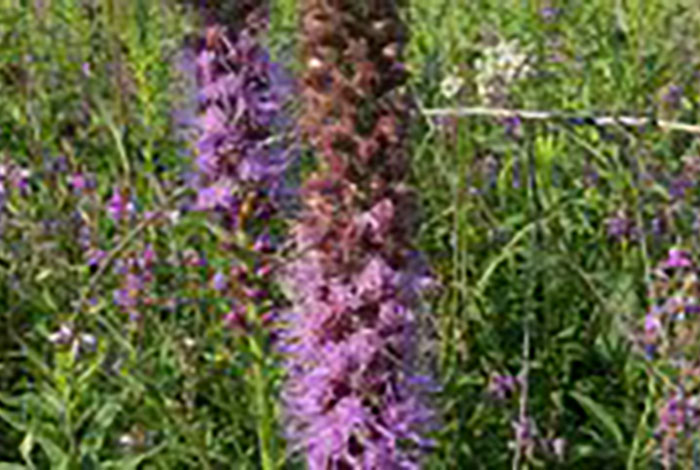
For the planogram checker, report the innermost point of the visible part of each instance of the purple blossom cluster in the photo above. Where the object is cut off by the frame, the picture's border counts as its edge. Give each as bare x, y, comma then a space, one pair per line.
503, 386
136, 273
669, 339
353, 398
78, 343
240, 156
669, 205
120, 206
12, 178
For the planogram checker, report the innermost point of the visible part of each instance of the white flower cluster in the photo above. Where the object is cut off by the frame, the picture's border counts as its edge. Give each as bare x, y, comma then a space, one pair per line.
451, 85
499, 67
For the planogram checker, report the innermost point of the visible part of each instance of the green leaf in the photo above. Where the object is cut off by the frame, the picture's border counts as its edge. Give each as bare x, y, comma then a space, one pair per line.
103, 420
107, 414
90, 462
12, 420
59, 459
43, 274
132, 462
11, 466
601, 414
26, 447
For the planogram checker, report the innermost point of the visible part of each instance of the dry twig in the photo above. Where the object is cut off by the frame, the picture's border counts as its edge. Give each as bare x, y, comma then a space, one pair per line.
538, 115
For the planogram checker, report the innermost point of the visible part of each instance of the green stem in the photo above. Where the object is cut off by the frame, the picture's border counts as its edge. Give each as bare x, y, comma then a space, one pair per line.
264, 422
641, 425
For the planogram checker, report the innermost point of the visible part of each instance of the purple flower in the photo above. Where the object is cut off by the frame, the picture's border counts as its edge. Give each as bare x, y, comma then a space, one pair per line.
219, 281
678, 259
62, 336
216, 196
673, 95
619, 226
692, 308
652, 324
240, 96
649, 351
513, 126
128, 295
20, 180
95, 256
78, 182
236, 318
502, 386
679, 186
119, 206
549, 13
148, 257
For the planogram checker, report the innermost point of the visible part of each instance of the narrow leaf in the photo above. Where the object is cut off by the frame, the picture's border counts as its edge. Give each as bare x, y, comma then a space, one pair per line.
601, 414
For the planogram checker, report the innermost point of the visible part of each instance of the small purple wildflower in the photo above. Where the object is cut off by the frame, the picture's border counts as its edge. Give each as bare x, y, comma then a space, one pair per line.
678, 259
128, 295
673, 95
119, 206
235, 319
95, 257
525, 433
219, 281
77, 181
619, 226
679, 186
20, 180
513, 126
502, 386
549, 13
62, 336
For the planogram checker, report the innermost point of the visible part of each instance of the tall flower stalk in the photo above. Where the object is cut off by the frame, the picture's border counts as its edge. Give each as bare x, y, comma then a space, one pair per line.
239, 181
354, 398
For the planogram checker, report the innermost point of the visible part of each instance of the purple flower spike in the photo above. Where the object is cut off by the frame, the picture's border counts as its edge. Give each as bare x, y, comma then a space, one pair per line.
669, 340
356, 395
241, 106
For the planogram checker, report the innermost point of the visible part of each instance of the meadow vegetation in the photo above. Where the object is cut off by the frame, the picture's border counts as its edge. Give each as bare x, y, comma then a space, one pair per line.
564, 251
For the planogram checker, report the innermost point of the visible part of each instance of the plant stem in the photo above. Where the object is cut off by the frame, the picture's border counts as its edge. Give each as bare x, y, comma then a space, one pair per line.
264, 422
